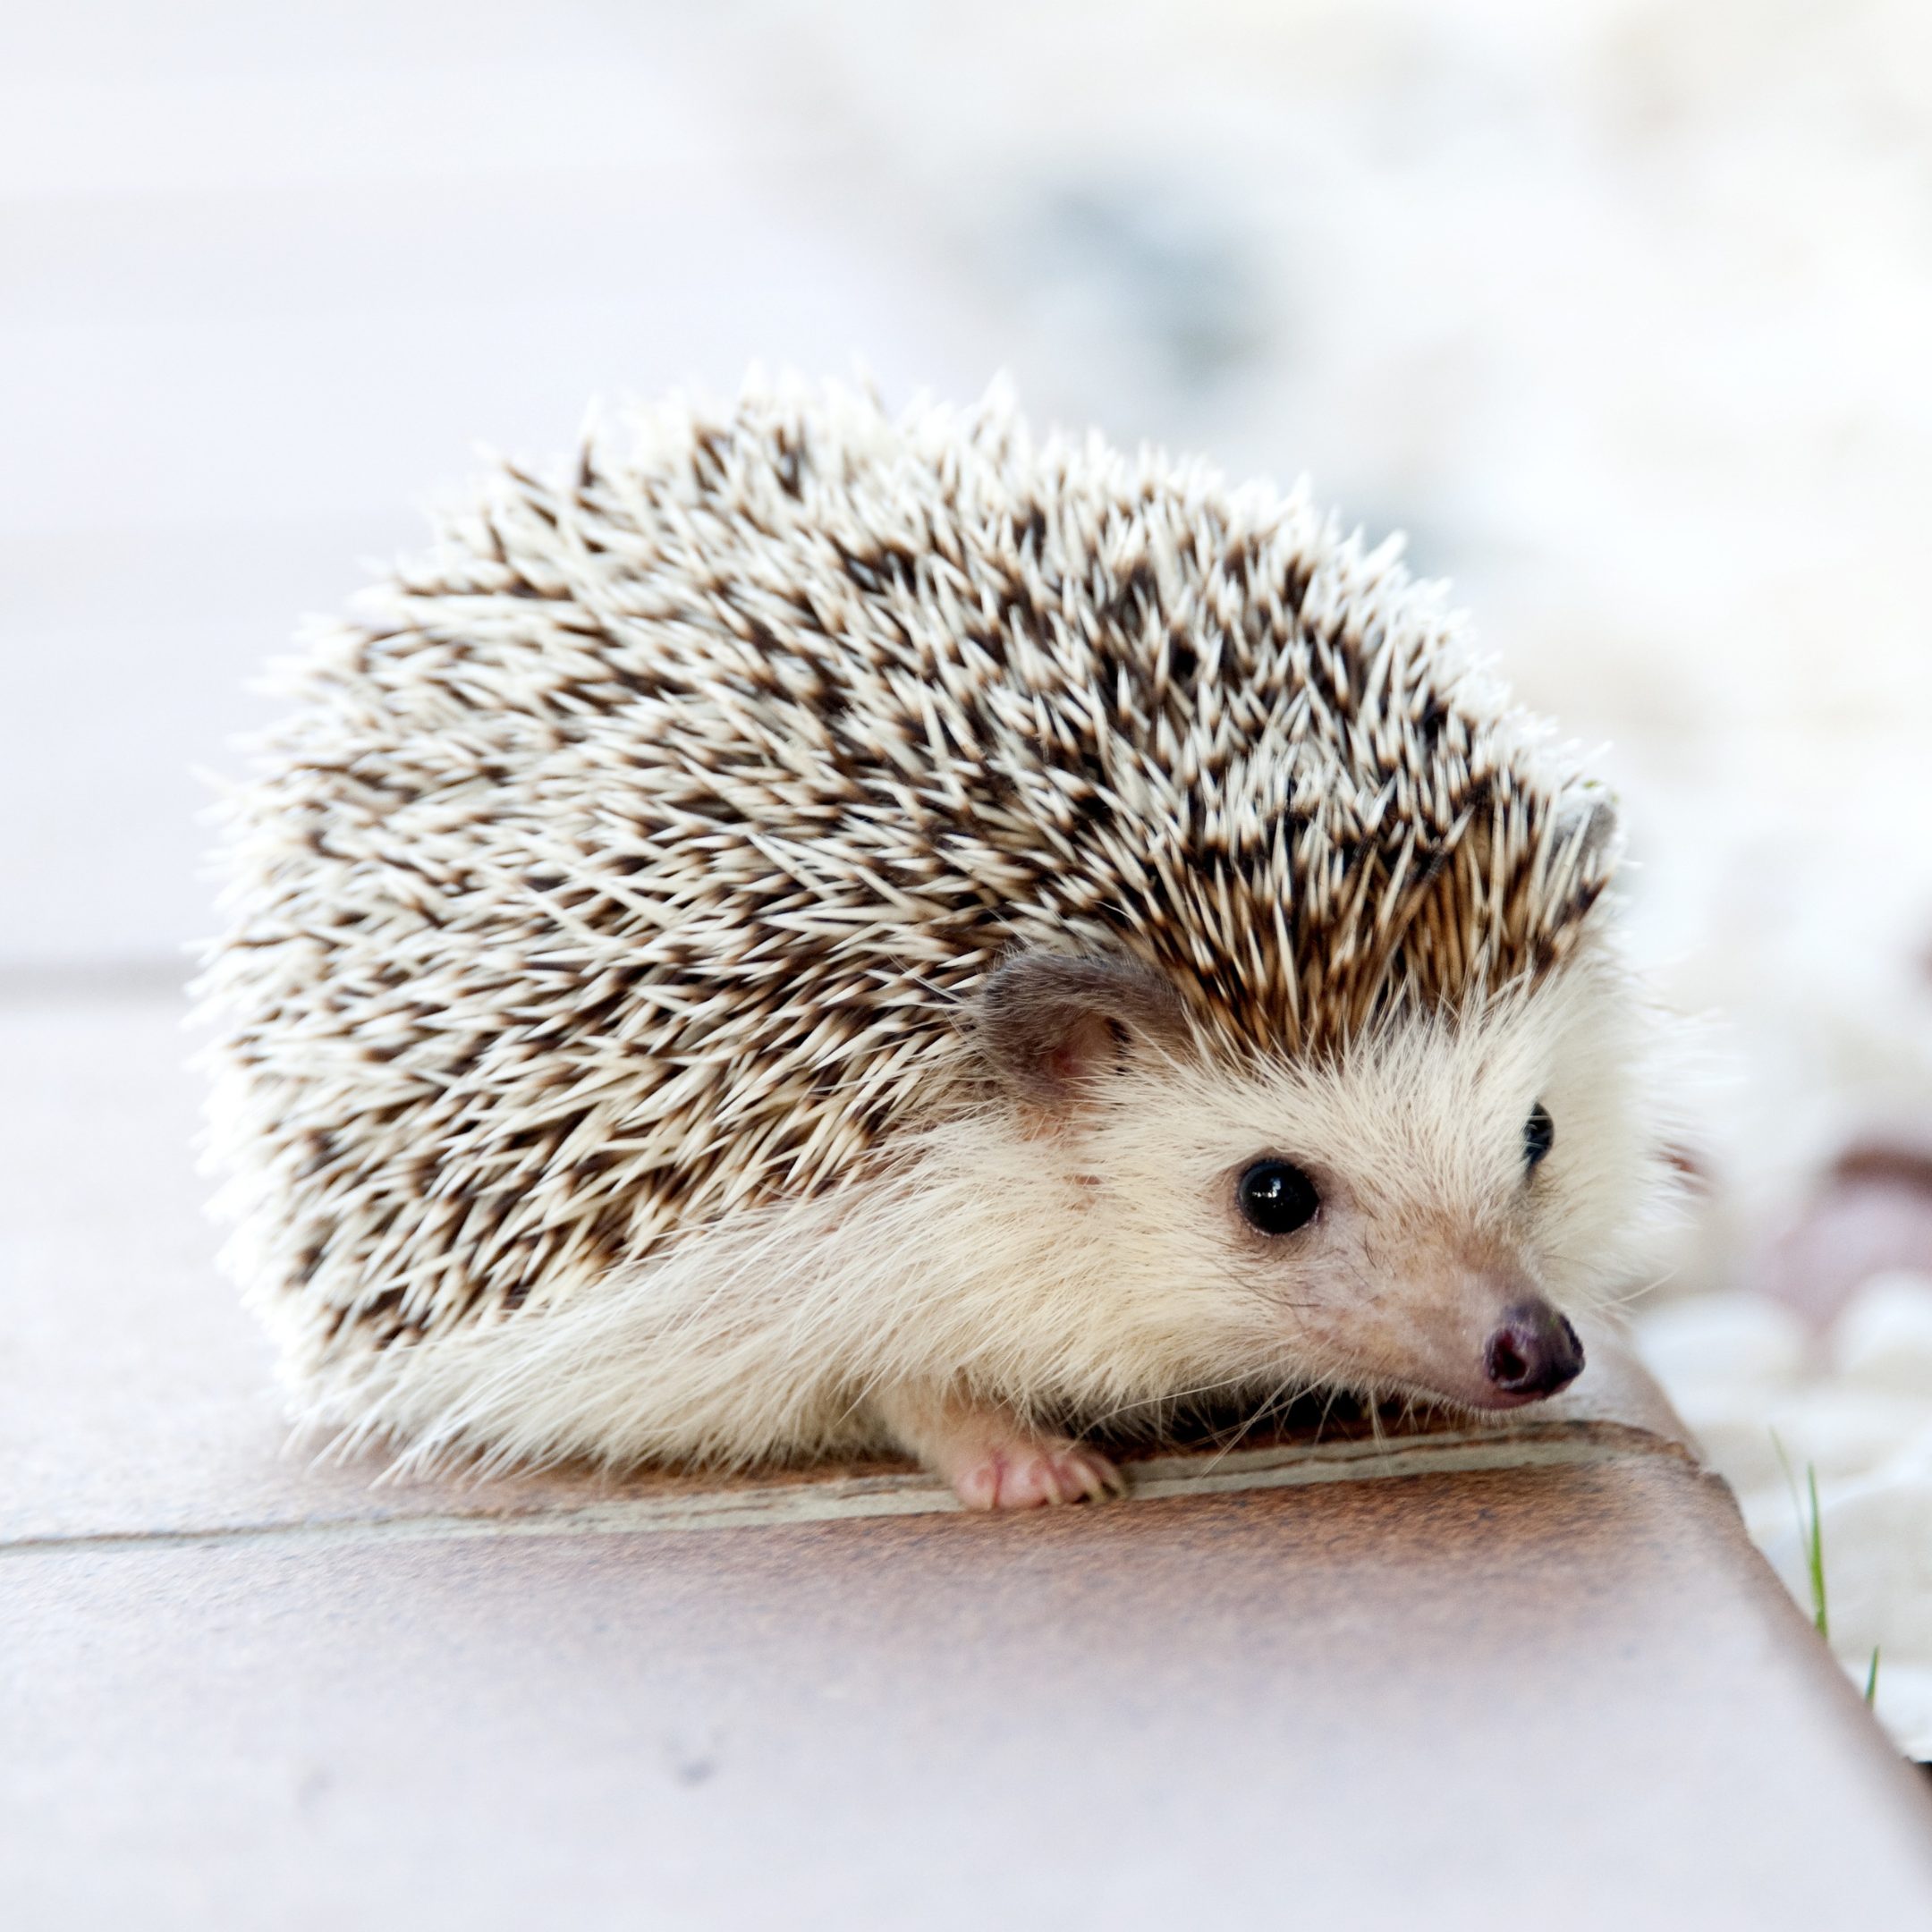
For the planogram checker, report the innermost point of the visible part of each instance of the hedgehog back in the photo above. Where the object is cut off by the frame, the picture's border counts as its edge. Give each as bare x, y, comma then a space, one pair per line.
635, 856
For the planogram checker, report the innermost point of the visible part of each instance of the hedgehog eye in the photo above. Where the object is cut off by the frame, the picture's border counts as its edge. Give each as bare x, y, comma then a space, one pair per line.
1276, 1197
1538, 1135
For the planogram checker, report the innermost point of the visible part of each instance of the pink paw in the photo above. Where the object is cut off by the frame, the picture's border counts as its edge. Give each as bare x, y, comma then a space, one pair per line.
1023, 1475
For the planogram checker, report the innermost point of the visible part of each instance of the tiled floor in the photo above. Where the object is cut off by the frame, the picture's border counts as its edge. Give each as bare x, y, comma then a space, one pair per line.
1504, 1693
1541, 1673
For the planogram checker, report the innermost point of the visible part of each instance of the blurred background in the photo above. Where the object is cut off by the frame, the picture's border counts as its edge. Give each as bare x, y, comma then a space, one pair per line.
1620, 309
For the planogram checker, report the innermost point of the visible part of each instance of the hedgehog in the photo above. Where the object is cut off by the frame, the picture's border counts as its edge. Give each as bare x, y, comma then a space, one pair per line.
805, 931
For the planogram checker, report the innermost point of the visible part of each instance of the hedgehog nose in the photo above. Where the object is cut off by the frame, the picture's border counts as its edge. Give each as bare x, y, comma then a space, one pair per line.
1535, 1351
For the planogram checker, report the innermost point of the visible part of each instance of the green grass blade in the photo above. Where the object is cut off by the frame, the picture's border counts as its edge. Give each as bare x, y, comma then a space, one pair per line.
1811, 1533
1815, 1557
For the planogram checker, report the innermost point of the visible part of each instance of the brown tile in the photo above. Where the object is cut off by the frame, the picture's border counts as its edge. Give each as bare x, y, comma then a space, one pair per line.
1565, 1695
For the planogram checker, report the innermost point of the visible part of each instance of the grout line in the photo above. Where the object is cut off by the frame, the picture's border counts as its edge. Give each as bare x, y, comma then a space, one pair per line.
913, 1494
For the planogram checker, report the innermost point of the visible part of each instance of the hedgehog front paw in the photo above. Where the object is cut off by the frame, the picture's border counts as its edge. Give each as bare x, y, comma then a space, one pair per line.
1024, 1473
991, 1458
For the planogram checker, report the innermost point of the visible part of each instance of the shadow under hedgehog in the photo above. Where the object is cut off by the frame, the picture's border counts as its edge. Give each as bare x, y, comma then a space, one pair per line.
806, 932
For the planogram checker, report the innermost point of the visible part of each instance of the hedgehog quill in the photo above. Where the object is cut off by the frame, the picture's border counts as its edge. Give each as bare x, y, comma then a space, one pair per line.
807, 931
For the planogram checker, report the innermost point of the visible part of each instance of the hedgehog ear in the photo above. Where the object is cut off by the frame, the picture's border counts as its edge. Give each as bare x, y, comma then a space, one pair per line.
1050, 1024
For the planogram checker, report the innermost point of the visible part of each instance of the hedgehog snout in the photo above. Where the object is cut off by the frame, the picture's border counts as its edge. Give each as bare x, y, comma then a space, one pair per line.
1533, 1351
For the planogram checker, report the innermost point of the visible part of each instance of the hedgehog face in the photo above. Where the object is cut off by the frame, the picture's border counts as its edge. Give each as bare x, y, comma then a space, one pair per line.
1411, 1215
